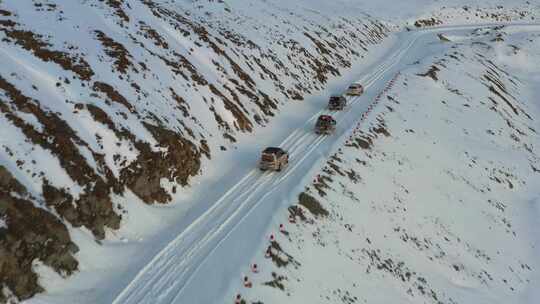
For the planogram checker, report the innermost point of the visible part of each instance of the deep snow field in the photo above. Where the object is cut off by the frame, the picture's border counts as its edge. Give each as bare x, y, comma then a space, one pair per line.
130, 133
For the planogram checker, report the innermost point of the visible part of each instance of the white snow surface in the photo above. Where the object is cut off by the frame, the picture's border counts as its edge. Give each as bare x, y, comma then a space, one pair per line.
421, 200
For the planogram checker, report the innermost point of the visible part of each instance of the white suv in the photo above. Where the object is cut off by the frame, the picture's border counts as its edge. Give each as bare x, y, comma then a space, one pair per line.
355, 89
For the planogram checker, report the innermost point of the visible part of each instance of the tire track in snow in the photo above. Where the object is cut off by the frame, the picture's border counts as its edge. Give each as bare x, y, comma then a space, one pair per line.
296, 137
318, 140
166, 276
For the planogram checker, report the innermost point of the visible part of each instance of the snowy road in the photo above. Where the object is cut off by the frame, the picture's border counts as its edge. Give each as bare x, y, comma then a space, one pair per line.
192, 267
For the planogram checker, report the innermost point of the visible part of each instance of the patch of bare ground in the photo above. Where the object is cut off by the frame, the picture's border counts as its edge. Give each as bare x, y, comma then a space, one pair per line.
31, 234
101, 116
381, 128
431, 73
416, 284
35, 43
117, 52
427, 22
151, 33
262, 100
311, 204
362, 141
321, 47
181, 103
276, 282
353, 176
116, 5
279, 257
296, 212
333, 168
242, 122
497, 87
178, 163
322, 183
182, 63
112, 94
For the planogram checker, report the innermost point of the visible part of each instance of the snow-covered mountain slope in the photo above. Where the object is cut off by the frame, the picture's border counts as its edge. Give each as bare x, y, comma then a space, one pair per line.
434, 196
103, 100
109, 107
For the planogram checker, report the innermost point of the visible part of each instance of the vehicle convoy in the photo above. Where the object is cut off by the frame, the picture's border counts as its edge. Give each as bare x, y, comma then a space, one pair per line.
355, 89
273, 158
325, 125
337, 103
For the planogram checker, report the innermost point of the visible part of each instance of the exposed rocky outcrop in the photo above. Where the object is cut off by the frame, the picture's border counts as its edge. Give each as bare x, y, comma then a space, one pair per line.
180, 161
32, 233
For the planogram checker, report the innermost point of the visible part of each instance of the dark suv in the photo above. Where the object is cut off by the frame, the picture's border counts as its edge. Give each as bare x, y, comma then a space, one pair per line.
337, 103
273, 158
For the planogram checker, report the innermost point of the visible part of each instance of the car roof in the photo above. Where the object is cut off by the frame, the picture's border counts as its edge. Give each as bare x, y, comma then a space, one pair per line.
272, 150
325, 117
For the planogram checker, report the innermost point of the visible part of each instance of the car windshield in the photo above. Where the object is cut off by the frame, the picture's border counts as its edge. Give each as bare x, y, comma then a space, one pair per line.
267, 157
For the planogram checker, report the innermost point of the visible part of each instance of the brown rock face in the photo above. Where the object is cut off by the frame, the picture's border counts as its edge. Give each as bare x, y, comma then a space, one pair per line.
93, 209
37, 234
180, 161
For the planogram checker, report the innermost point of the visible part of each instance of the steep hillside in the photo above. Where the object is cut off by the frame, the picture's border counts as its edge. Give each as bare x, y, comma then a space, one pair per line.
434, 196
103, 97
